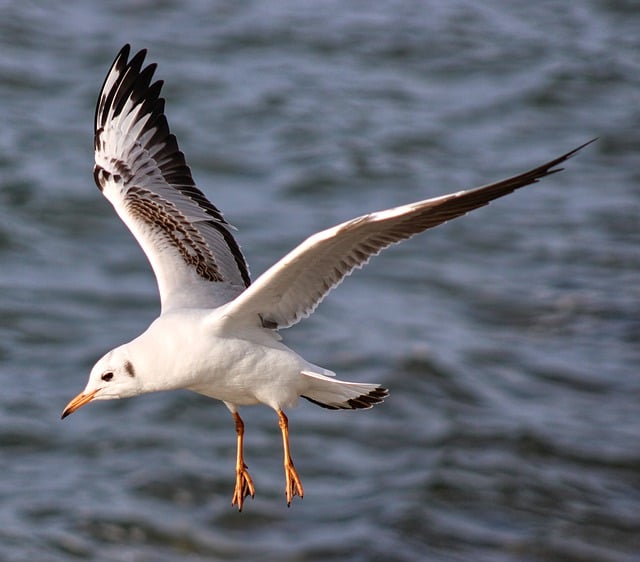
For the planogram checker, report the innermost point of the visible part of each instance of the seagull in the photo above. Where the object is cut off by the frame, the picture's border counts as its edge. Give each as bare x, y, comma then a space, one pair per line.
218, 333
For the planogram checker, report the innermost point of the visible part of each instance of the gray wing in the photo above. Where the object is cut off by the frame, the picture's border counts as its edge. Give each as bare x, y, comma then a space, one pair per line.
142, 172
292, 288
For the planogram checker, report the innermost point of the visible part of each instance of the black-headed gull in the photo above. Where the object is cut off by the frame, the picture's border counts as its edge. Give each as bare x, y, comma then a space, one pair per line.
217, 333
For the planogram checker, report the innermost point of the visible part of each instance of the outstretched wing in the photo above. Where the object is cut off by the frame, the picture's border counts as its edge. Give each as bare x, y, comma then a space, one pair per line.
292, 288
142, 172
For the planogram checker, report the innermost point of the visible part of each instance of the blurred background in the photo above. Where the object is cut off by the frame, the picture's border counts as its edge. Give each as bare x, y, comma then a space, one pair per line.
510, 338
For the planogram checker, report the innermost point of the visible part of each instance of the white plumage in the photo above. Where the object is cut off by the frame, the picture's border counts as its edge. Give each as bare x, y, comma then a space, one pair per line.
217, 332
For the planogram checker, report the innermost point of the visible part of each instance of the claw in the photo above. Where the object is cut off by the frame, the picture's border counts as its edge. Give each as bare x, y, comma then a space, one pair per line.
293, 483
244, 486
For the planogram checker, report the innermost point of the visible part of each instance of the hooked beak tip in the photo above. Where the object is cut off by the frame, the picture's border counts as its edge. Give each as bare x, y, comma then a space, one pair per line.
78, 402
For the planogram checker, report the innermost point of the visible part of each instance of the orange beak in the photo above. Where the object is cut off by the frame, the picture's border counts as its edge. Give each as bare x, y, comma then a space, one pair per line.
78, 402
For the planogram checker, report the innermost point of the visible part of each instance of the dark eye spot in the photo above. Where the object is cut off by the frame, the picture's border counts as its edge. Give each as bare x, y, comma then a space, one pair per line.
128, 366
107, 376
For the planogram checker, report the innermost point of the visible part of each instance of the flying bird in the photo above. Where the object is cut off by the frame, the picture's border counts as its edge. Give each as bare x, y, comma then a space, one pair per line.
217, 333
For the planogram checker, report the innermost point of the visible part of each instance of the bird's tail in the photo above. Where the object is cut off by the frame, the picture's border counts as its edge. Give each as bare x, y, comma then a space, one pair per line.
341, 395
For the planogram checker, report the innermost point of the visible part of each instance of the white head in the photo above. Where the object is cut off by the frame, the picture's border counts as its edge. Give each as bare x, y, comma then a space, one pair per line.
113, 376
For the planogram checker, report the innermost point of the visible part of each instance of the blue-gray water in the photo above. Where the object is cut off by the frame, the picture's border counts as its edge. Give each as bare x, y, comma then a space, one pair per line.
510, 339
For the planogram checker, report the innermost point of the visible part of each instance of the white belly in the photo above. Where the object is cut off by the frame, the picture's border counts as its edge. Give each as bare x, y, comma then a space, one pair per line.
242, 372
243, 368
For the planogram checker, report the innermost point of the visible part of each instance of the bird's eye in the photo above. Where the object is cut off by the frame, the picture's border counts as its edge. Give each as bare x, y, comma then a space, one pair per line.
107, 376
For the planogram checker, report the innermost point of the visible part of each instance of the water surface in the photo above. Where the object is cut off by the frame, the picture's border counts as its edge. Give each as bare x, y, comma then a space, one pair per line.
509, 338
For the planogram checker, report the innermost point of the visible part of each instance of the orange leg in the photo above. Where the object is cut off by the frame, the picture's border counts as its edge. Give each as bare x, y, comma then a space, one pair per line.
293, 484
244, 484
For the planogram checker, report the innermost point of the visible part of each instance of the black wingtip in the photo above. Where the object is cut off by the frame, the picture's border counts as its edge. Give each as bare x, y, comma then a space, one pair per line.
137, 60
124, 52
550, 167
576, 150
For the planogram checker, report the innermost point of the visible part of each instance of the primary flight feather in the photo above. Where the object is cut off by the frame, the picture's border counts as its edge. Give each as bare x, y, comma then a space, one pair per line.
217, 333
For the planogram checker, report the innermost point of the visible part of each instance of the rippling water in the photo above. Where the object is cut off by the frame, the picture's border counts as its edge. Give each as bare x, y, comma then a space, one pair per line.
509, 338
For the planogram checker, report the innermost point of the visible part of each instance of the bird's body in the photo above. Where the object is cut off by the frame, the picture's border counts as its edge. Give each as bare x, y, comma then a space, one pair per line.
217, 333
194, 349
